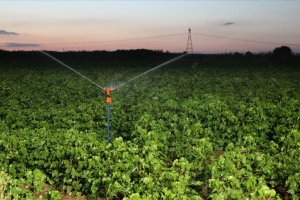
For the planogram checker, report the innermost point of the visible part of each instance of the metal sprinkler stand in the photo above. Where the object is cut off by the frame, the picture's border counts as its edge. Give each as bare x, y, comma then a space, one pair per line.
108, 102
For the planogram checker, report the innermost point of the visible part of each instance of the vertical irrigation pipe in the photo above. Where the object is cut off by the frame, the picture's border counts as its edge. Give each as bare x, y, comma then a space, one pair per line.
108, 102
108, 123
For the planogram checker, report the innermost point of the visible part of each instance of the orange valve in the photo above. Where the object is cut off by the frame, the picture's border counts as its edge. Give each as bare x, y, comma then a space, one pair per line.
108, 100
107, 90
108, 97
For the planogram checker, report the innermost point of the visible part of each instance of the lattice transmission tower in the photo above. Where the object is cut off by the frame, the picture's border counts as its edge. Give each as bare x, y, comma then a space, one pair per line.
189, 44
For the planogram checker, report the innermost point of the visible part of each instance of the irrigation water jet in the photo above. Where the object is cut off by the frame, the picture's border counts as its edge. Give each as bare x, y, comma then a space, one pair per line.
148, 71
108, 90
70, 68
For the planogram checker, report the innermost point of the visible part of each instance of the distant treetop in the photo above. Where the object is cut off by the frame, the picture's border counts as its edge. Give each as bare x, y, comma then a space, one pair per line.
282, 52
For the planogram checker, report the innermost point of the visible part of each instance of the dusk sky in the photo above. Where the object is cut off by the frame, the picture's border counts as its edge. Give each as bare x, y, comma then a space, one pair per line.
153, 24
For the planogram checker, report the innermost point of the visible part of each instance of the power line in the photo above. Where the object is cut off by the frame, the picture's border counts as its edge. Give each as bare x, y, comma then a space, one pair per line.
164, 36
171, 35
244, 40
111, 41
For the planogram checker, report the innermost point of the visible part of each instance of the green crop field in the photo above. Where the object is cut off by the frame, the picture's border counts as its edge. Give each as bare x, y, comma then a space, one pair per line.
204, 127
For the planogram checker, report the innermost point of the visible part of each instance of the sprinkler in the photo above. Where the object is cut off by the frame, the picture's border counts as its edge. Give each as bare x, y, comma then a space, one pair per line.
108, 90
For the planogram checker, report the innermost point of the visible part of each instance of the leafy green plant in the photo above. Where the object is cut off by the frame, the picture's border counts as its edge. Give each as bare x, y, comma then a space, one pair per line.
4, 186
221, 128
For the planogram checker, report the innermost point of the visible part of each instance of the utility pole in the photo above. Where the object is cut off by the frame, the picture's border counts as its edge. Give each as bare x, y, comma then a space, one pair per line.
189, 45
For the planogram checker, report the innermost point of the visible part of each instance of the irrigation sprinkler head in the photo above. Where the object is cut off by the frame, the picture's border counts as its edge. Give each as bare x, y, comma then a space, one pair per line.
111, 86
107, 91
108, 97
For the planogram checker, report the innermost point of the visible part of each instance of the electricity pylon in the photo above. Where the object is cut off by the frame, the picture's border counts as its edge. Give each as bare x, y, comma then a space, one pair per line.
189, 44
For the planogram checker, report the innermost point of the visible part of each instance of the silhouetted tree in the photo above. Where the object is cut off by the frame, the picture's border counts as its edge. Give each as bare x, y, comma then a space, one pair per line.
237, 54
282, 52
249, 54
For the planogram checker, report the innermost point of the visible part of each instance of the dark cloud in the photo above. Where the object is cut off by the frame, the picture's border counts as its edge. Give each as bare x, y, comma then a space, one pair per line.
3, 32
21, 45
228, 23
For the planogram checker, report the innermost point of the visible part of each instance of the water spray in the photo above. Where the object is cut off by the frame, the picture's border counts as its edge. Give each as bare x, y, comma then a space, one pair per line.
108, 90
150, 70
70, 68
